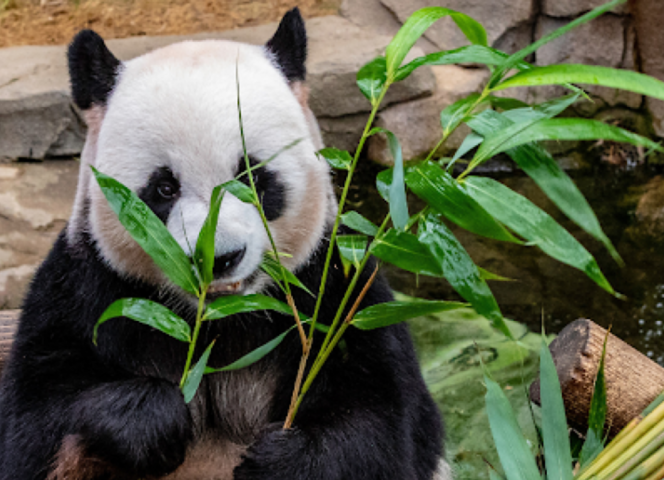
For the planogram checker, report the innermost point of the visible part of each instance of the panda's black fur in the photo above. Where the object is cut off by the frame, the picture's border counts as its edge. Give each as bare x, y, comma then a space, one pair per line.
72, 410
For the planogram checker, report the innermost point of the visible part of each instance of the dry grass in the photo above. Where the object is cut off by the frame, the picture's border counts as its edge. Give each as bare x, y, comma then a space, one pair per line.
47, 22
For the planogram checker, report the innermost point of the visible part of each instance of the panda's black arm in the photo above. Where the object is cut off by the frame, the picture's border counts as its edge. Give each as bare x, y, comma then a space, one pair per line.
367, 416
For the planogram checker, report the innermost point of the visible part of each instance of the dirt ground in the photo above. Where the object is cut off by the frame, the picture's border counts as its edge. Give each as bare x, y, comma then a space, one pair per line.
48, 22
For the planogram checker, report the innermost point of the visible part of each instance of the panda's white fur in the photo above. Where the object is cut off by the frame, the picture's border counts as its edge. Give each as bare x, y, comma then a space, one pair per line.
187, 85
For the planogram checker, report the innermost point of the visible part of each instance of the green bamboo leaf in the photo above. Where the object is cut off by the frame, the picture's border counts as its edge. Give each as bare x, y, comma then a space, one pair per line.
272, 268
548, 175
243, 192
253, 356
471, 141
493, 475
149, 232
358, 223
506, 104
460, 270
557, 453
572, 129
535, 225
339, 159
418, 23
397, 195
519, 122
148, 313
195, 375
452, 116
371, 79
437, 187
390, 313
515, 456
487, 275
594, 443
469, 54
404, 250
588, 75
234, 304
351, 250
517, 57
205, 246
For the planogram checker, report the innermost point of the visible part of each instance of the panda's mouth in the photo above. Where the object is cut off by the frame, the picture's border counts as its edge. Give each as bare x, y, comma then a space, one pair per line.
219, 289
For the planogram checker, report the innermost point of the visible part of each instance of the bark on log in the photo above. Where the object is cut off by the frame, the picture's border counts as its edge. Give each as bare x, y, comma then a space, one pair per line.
8, 323
632, 379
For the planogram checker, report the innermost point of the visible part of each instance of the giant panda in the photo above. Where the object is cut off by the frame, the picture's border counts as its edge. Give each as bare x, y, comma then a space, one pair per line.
166, 125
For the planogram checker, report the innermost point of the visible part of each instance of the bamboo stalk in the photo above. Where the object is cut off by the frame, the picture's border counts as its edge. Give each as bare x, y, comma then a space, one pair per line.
641, 456
648, 466
658, 475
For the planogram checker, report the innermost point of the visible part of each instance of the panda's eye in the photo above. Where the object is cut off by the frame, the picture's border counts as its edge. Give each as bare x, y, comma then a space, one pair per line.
167, 190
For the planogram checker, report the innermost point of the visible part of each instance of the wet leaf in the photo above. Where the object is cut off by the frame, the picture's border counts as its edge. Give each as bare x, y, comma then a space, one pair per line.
148, 313
195, 375
149, 232
437, 187
253, 356
234, 304
452, 116
339, 159
460, 270
371, 79
404, 250
535, 225
390, 313
351, 250
359, 223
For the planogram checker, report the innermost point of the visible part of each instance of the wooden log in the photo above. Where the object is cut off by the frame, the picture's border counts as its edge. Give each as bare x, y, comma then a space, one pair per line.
632, 379
8, 323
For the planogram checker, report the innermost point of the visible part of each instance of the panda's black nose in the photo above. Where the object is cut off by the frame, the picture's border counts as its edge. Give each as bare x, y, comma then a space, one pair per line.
227, 262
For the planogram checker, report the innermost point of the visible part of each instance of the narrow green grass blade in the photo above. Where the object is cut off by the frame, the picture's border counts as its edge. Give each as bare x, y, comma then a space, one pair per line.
515, 58
442, 192
149, 232
535, 225
148, 313
515, 456
588, 75
418, 23
195, 375
205, 245
594, 443
557, 453
469, 54
460, 270
253, 356
391, 313
235, 304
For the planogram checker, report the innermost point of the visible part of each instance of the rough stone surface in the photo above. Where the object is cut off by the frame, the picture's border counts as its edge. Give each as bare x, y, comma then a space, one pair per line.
649, 19
574, 8
600, 42
650, 209
343, 132
37, 120
417, 124
497, 18
35, 203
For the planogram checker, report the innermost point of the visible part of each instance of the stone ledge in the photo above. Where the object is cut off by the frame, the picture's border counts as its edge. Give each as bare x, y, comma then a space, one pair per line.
37, 119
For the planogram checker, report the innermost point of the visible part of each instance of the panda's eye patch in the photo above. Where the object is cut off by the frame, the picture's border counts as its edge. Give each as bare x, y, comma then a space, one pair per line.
161, 192
270, 190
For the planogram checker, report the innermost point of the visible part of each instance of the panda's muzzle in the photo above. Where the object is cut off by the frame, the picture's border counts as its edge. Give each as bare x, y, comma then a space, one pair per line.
225, 264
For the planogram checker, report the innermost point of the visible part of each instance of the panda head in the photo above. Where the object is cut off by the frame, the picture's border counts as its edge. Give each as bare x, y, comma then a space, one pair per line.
166, 125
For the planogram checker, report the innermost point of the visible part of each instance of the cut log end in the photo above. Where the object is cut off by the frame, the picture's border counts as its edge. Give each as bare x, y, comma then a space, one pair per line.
632, 379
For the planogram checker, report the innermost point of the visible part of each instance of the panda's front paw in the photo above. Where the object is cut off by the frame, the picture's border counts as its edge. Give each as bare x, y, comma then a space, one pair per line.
278, 455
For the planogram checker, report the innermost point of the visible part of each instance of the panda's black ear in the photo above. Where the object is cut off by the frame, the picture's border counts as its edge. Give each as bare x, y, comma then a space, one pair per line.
289, 46
92, 69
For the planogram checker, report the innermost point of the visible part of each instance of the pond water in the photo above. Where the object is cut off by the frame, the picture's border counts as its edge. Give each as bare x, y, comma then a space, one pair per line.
544, 290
